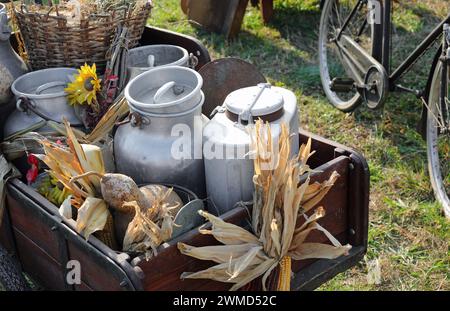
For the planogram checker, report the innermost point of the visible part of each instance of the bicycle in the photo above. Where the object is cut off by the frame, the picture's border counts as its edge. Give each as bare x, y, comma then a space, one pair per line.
355, 61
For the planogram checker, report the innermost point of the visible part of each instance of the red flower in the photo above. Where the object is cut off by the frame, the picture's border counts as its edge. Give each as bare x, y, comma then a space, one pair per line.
33, 172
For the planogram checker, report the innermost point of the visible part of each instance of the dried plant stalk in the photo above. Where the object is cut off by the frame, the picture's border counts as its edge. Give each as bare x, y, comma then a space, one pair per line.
68, 162
278, 202
115, 112
149, 227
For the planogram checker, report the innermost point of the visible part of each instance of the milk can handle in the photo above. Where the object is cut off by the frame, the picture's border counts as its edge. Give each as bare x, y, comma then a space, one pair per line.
25, 104
193, 61
247, 112
6, 29
163, 90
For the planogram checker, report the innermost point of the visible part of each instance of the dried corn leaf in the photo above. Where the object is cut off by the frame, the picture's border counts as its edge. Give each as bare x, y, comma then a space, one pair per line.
149, 228
77, 149
217, 273
61, 129
240, 264
216, 253
92, 216
318, 250
115, 113
326, 186
227, 233
262, 269
65, 210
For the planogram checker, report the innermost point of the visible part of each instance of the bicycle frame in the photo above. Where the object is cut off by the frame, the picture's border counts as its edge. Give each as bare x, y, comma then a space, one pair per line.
386, 21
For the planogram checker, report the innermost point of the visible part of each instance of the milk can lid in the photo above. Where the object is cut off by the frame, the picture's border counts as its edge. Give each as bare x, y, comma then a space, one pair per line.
269, 102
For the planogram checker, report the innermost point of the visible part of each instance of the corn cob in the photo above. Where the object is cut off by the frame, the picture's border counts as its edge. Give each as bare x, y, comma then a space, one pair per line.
284, 279
107, 234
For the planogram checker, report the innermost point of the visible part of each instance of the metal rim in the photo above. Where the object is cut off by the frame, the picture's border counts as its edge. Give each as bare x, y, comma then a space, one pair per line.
179, 62
30, 75
333, 97
434, 166
155, 72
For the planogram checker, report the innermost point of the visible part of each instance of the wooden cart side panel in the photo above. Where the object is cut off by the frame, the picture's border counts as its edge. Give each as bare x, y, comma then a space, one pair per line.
101, 268
171, 263
336, 207
95, 272
38, 264
359, 194
34, 225
7, 239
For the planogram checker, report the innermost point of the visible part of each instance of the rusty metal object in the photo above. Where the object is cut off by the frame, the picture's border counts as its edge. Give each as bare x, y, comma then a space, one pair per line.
223, 76
267, 10
224, 17
184, 6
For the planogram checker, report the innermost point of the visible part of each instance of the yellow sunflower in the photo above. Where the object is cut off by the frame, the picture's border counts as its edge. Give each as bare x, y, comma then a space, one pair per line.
84, 88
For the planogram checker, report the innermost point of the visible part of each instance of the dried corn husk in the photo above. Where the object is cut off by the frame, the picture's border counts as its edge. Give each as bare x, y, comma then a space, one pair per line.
68, 162
115, 113
149, 227
106, 235
92, 216
278, 203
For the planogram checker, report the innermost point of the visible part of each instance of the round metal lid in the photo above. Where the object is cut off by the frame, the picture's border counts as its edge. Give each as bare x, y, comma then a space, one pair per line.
223, 76
270, 101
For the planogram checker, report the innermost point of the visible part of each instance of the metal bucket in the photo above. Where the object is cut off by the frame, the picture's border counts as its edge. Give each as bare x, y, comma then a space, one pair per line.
144, 58
40, 96
165, 105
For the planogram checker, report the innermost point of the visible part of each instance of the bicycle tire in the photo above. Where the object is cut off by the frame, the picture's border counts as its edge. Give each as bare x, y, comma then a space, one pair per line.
432, 94
11, 278
376, 35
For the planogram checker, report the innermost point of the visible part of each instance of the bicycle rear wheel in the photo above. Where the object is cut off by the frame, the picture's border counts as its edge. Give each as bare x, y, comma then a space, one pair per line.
438, 140
331, 61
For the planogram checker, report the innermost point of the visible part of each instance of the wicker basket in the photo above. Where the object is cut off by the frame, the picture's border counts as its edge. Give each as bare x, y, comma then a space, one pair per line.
54, 40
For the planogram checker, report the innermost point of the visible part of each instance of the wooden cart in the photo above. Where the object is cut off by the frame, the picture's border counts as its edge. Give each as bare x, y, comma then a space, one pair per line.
43, 242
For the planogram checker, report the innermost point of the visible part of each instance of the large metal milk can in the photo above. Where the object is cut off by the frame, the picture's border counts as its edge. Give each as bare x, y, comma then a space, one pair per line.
226, 141
162, 142
144, 58
40, 97
11, 65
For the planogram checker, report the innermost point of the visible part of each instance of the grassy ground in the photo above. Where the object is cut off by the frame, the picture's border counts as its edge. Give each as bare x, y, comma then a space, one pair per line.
408, 237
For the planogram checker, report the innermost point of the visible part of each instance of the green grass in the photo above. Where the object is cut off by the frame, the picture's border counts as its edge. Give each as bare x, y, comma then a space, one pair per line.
408, 235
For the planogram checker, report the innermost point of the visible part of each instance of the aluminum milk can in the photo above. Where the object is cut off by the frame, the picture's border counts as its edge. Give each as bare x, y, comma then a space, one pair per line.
226, 141
162, 142
144, 58
11, 65
40, 96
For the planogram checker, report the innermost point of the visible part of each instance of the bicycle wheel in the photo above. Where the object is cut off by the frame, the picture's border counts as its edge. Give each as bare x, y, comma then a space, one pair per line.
331, 62
438, 141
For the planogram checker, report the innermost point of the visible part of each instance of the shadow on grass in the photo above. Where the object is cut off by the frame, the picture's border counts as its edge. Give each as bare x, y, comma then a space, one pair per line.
291, 61
293, 68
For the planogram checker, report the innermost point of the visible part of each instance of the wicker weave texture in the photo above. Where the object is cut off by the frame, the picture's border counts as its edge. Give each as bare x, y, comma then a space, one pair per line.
56, 41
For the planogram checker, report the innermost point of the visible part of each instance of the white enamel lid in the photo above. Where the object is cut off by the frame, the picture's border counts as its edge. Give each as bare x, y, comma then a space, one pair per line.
270, 101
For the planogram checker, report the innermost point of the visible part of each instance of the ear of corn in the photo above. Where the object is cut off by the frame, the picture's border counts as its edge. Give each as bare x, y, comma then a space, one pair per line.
66, 162
284, 280
149, 228
92, 216
278, 203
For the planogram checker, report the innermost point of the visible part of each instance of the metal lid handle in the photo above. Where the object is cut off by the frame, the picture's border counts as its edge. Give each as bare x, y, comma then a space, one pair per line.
163, 90
246, 113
